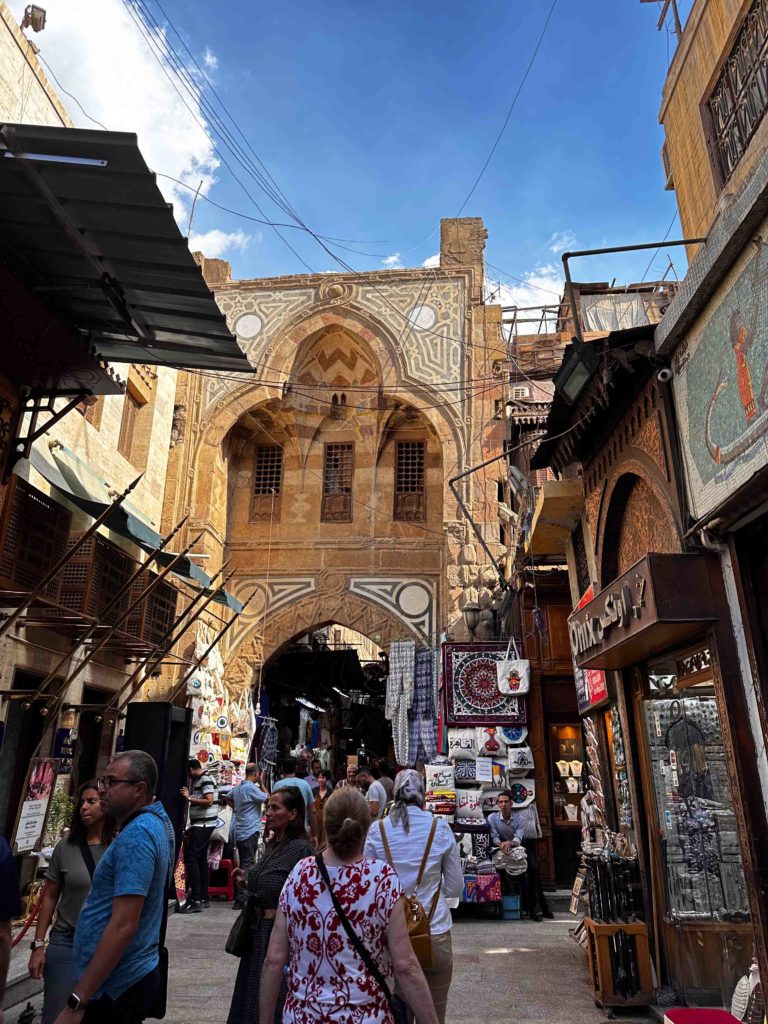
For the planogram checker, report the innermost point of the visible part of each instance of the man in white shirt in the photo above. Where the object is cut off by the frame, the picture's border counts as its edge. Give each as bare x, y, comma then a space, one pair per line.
374, 792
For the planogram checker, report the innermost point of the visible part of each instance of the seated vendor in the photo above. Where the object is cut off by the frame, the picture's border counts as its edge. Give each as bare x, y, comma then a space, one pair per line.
511, 828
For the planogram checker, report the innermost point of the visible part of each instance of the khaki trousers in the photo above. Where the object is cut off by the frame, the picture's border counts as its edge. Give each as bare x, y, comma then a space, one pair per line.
439, 975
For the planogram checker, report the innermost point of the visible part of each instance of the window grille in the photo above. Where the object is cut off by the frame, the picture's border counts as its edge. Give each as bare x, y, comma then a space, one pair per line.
128, 423
337, 483
580, 558
740, 97
267, 482
409, 481
520, 392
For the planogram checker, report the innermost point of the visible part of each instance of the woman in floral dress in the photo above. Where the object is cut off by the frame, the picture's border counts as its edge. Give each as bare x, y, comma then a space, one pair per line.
327, 979
286, 846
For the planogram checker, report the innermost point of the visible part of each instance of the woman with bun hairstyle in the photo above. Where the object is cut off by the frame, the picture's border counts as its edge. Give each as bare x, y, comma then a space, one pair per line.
329, 978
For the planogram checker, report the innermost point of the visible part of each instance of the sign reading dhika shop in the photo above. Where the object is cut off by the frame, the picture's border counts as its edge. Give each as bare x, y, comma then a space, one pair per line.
611, 610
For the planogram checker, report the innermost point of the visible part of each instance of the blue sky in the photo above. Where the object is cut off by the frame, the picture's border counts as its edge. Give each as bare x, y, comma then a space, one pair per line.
375, 119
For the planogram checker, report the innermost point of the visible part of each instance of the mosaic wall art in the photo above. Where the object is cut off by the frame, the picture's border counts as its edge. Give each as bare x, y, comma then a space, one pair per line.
721, 385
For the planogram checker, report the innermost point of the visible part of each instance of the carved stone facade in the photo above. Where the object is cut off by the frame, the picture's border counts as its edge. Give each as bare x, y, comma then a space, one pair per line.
295, 473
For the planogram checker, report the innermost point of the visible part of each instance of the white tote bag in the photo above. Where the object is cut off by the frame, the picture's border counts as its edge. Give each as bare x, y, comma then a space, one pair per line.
513, 674
520, 760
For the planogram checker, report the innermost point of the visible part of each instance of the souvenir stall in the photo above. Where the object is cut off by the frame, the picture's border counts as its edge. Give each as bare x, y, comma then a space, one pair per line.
485, 687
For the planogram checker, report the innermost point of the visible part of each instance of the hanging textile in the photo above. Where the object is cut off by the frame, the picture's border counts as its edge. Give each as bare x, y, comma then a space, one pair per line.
471, 686
422, 717
399, 697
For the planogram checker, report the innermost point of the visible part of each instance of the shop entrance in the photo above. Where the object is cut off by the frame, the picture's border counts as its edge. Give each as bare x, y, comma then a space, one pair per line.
326, 689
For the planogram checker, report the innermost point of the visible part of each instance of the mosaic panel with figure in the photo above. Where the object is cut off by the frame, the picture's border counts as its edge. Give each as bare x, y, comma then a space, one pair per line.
721, 385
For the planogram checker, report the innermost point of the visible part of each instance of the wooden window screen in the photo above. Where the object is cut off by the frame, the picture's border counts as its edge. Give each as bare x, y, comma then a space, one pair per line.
740, 97
267, 481
91, 411
410, 504
337, 483
127, 436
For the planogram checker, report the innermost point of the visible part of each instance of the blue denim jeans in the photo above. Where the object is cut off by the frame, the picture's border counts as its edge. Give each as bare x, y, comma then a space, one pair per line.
58, 973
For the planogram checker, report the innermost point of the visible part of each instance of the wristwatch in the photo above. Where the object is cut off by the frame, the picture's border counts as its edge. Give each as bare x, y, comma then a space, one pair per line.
74, 1002
38, 944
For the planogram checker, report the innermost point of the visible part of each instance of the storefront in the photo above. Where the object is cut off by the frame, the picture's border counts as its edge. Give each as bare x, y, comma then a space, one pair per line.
654, 627
659, 688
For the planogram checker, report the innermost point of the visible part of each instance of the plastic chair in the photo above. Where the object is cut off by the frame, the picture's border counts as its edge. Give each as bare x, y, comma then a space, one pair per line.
228, 889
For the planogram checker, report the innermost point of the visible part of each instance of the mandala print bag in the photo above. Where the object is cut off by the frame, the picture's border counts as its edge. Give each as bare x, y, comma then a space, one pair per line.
513, 674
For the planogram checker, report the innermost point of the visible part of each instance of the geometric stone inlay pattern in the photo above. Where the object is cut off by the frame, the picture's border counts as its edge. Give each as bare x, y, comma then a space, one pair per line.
411, 599
272, 594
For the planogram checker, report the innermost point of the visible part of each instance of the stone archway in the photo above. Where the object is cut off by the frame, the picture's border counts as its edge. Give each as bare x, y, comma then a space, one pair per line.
333, 605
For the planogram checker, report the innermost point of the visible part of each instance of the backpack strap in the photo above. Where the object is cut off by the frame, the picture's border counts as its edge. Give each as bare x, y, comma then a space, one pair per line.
385, 843
427, 848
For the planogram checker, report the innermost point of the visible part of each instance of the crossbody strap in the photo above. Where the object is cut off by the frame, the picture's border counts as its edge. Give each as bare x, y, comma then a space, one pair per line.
354, 938
427, 848
85, 850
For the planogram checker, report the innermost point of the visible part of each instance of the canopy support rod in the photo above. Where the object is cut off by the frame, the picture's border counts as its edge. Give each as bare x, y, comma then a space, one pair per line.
54, 572
116, 599
219, 636
160, 650
154, 584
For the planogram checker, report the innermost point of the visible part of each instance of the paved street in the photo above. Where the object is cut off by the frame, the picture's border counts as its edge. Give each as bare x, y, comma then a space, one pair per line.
504, 971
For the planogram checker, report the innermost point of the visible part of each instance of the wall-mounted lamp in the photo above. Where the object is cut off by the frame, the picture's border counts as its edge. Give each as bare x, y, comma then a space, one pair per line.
471, 613
579, 364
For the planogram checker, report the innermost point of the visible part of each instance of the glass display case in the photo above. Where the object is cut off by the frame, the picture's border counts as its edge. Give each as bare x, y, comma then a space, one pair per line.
567, 761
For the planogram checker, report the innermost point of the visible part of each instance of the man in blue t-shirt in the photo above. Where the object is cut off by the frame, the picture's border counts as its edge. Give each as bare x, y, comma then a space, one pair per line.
116, 953
289, 778
247, 799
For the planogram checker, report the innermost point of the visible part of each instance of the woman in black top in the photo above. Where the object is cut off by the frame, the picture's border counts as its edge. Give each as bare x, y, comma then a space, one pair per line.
68, 882
283, 850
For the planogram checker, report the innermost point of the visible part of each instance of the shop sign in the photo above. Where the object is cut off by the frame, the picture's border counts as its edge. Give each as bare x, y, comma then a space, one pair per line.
611, 610
591, 683
30, 824
661, 600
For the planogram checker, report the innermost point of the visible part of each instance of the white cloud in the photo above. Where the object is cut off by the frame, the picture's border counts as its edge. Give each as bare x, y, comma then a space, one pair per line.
542, 286
432, 261
216, 243
560, 241
98, 54
392, 262
210, 59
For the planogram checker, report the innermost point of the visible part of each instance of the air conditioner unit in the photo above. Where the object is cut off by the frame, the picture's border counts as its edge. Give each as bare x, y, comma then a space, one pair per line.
521, 392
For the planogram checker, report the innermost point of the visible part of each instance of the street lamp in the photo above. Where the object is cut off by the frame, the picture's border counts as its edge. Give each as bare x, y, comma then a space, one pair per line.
579, 364
471, 613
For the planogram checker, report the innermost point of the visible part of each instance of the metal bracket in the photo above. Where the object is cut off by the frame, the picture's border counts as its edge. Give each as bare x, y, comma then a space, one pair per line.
34, 407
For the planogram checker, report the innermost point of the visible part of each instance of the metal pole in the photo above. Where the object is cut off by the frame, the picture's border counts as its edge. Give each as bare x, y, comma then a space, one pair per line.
605, 251
452, 484
127, 614
54, 572
177, 689
96, 626
160, 650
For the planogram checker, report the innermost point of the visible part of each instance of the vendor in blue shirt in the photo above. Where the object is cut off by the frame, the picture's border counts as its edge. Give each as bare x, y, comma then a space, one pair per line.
116, 952
248, 800
519, 827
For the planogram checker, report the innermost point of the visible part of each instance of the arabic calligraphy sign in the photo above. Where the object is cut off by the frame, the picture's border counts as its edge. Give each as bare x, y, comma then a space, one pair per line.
591, 683
660, 600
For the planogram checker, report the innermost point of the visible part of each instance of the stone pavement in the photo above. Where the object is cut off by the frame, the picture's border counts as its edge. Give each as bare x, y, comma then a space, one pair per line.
510, 971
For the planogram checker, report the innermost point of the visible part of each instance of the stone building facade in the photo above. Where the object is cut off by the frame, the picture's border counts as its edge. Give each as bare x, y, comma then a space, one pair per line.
323, 478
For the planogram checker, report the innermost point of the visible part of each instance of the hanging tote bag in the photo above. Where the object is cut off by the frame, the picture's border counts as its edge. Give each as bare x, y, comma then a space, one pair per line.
513, 674
416, 916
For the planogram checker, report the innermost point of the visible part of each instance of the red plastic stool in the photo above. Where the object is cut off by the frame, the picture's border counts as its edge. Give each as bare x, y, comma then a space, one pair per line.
697, 1015
227, 890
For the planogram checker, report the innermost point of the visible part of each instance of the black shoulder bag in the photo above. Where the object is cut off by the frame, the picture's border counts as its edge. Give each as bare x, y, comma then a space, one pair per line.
396, 1006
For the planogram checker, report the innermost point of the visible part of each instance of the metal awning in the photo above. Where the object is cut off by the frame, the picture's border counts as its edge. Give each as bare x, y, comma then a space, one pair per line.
85, 227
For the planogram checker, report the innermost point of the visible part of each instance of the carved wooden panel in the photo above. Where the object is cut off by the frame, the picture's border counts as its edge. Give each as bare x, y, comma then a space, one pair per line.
645, 526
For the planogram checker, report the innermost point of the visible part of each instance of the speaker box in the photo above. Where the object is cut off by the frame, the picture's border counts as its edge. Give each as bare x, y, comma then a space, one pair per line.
164, 731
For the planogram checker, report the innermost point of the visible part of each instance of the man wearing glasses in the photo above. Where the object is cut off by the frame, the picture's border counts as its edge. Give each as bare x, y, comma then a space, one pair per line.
116, 953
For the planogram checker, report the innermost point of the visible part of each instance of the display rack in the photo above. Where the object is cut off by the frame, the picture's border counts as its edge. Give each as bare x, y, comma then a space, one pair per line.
567, 759
619, 963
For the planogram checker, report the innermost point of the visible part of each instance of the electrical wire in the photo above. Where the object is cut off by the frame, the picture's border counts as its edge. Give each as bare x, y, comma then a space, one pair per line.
515, 98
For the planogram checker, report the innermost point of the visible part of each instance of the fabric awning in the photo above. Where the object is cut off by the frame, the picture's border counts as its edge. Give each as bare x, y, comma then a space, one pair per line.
85, 227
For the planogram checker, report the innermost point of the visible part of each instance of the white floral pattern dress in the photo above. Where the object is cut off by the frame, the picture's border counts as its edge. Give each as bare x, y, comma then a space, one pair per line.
327, 979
